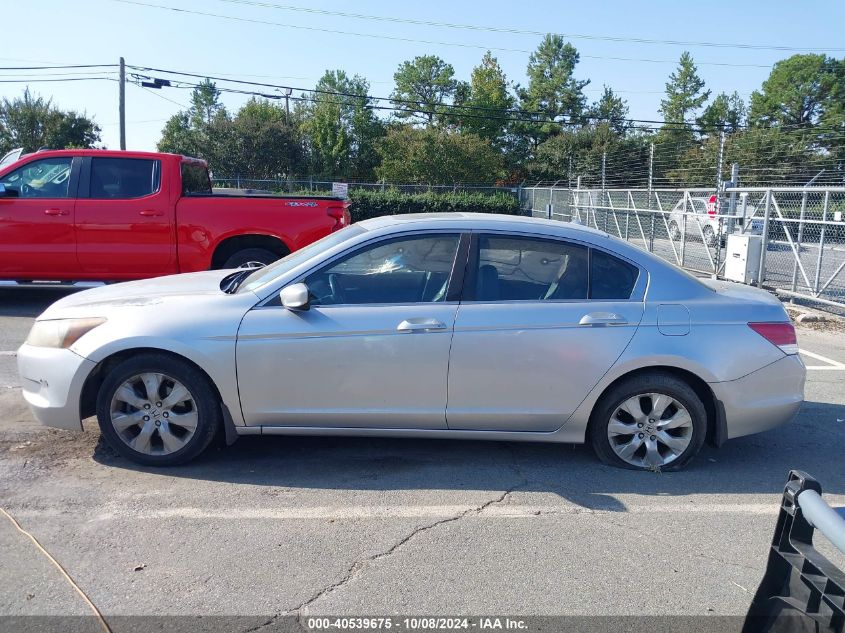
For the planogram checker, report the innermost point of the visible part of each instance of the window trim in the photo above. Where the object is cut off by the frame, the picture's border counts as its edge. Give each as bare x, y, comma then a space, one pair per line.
454, 288
87, 172
637, 292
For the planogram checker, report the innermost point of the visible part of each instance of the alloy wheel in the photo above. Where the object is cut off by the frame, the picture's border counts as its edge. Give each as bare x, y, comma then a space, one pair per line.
154, 414
650, 430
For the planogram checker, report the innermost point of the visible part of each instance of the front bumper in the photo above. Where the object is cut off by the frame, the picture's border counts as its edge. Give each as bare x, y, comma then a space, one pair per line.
52, 381
764, 399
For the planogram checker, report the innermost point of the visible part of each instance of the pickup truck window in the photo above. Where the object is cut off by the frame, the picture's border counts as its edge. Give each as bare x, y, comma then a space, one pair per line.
195, 180
46, 178
124, 178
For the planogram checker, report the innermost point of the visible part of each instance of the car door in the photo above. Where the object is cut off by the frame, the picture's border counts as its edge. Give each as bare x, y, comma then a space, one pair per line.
372, 350
125, 223
36, 219
540, 323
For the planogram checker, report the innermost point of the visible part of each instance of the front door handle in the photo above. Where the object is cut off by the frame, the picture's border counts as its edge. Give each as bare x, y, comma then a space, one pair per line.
150, 213
603, 318
420, 325
55, 212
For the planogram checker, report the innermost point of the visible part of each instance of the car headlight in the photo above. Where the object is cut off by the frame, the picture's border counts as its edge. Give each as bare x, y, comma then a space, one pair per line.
61, 333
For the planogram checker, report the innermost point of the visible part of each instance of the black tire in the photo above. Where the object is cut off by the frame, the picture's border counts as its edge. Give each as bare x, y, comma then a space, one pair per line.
652, 382
209, 413
709, 236
247, 255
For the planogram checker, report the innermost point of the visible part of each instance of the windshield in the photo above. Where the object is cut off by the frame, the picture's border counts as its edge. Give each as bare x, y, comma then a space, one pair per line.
267, 274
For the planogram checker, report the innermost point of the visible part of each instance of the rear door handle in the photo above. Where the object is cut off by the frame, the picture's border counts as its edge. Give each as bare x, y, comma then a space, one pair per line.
603, 318
55, 212
420, 325
150, 213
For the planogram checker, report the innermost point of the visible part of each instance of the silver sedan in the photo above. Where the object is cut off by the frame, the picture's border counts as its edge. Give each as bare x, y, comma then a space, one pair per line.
445, 325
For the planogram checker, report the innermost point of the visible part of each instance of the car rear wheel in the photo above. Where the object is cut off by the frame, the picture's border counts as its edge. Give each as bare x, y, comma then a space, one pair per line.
653, 421
250, 258
157, 410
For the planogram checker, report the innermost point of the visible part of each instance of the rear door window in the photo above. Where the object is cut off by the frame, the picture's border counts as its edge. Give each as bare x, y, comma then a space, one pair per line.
124, 178
528, 269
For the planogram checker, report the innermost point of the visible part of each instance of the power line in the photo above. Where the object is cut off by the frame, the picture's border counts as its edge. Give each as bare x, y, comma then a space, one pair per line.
36, 81
457, 110
412, 40
496, 29
62, 67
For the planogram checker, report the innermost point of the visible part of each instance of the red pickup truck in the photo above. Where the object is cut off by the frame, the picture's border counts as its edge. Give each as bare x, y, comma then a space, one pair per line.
74, 215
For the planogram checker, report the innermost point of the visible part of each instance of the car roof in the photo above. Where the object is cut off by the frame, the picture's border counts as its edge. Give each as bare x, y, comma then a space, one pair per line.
481, 221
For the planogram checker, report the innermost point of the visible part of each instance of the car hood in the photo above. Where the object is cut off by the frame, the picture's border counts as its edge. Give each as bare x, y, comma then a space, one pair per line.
145, 292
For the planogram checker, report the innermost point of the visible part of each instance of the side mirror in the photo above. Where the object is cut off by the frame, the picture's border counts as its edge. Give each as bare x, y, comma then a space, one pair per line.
295, 297
3, 192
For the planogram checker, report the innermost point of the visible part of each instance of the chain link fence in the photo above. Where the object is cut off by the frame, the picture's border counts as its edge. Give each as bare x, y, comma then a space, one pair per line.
310, 186
800, 230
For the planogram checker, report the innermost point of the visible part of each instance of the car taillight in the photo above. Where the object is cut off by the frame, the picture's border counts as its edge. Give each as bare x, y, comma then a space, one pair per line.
711, 206
340, 215
780, 334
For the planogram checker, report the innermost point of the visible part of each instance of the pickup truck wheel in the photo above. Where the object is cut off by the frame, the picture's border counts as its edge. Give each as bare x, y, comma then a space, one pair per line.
653, 421
157, 410
255, 257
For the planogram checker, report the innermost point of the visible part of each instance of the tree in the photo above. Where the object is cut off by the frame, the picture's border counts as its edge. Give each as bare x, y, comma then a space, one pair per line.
264, 144
725, 112
612, 110
342, 128
202, 130
798, 92
552, 88
487, 99
205, 104
423, 86
437, 155
33, 122
684, 93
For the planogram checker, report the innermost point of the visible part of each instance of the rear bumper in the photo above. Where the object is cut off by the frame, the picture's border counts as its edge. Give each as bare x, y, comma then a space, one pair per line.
52, 381
764, 399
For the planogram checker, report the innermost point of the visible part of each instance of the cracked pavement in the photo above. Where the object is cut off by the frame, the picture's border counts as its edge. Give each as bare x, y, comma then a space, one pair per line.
277, 526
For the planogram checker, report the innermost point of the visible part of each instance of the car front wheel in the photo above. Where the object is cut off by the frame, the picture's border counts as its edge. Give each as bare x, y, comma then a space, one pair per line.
653, 421
157, 410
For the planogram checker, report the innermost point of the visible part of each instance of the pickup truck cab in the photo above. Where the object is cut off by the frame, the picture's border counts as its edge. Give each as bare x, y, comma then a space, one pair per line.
74, 215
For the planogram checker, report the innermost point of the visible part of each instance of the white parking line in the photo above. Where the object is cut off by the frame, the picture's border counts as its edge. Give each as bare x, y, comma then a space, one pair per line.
832, 365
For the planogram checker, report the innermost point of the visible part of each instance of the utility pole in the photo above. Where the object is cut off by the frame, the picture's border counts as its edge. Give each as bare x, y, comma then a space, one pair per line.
122, 104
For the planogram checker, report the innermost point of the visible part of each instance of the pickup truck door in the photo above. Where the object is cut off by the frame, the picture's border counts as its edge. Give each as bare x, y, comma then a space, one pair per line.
125, 221
36, 219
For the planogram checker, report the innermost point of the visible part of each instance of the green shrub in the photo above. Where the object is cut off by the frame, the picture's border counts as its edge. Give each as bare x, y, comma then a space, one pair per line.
373, 203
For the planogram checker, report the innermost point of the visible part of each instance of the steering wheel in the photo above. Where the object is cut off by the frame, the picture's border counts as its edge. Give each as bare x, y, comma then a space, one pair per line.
26, 191
337, 291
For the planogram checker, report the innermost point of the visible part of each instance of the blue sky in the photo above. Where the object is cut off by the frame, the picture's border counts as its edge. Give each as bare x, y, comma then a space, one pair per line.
100, 31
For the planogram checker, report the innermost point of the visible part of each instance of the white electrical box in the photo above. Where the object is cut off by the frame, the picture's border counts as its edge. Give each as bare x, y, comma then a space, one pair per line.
742, 258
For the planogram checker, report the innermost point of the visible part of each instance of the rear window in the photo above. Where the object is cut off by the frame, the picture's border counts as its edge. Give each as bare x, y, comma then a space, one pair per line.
610, 277
195, 179
124, 178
